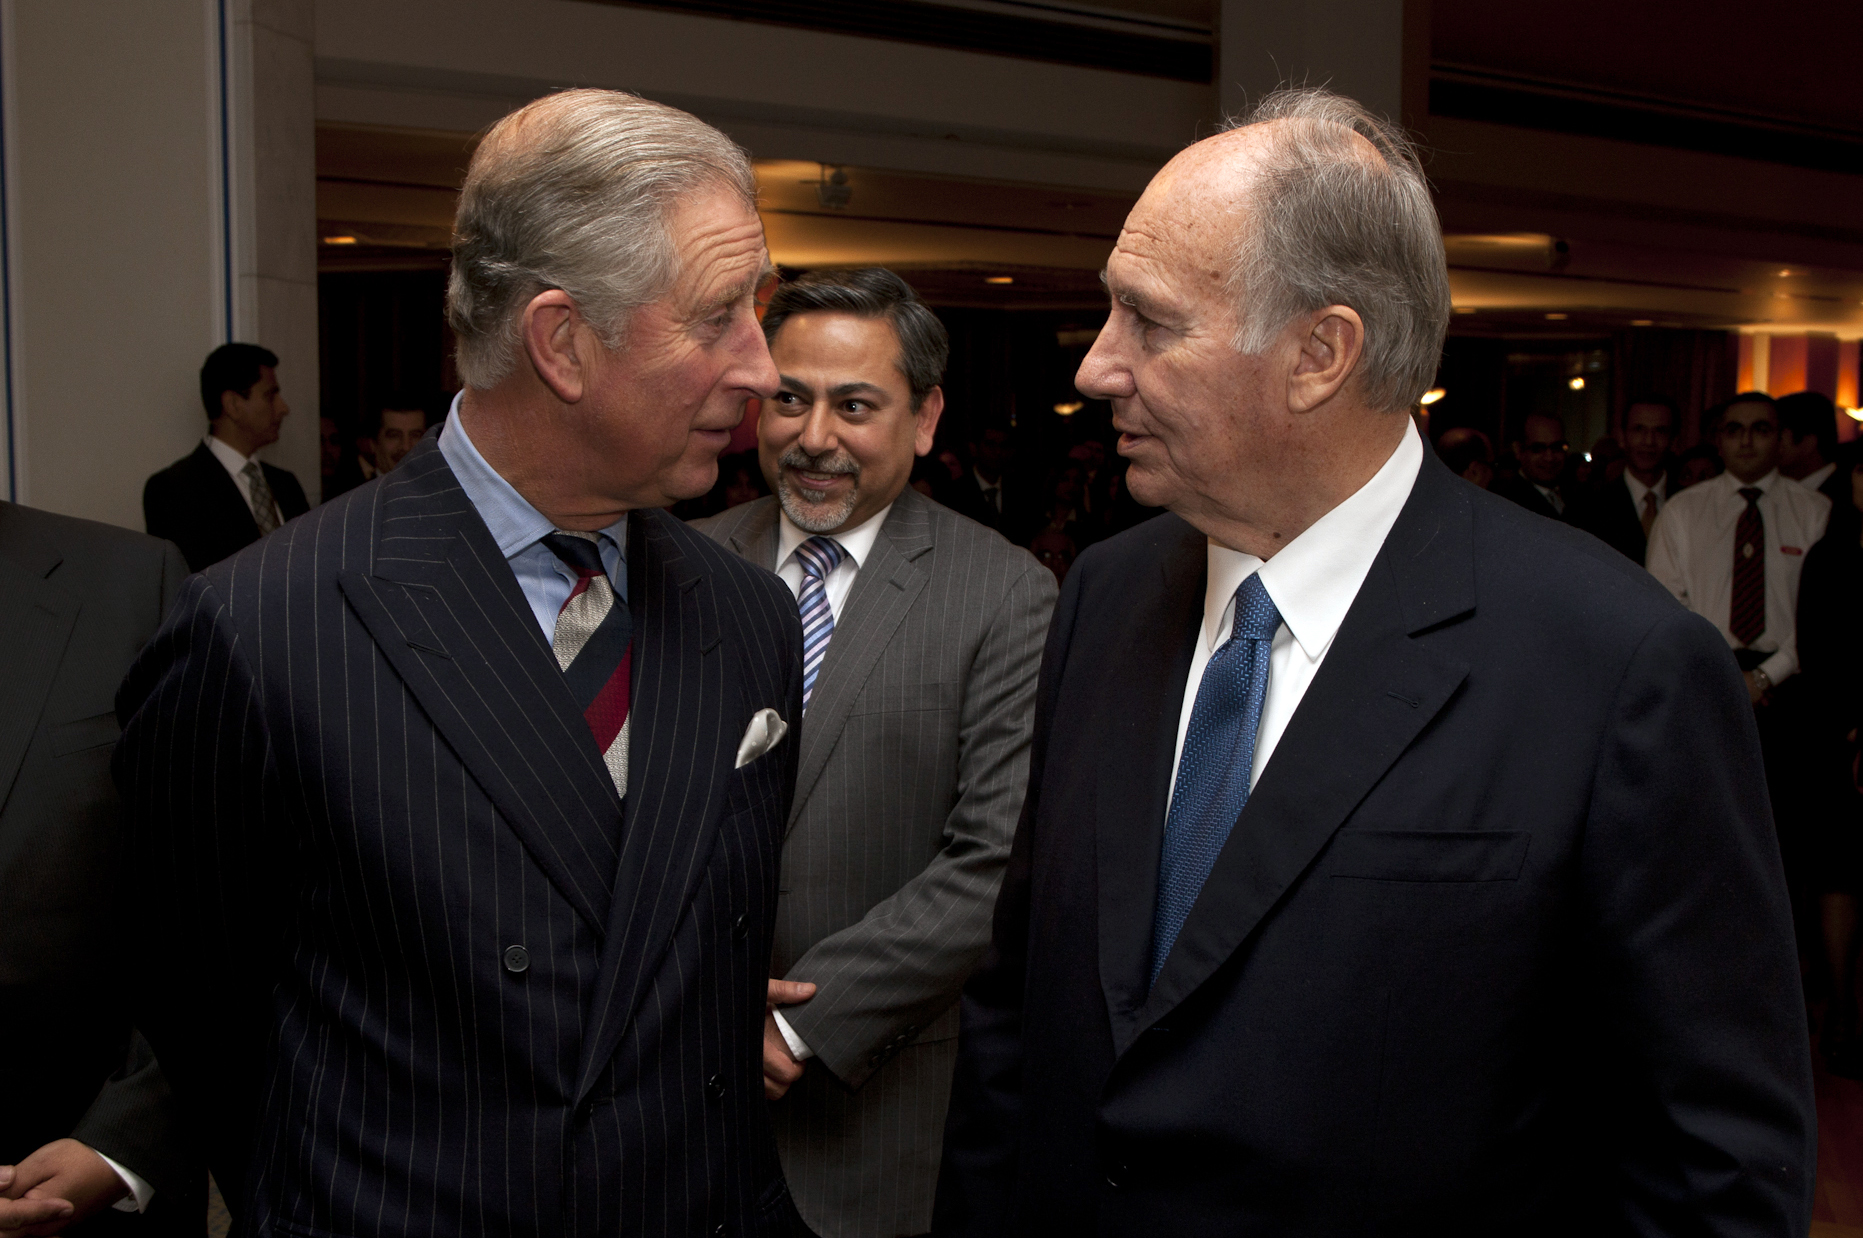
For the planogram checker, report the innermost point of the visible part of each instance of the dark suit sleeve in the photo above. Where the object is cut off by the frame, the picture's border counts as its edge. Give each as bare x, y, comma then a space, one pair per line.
982, 1130
884, 977
136, 1122
1691, 952
192, 769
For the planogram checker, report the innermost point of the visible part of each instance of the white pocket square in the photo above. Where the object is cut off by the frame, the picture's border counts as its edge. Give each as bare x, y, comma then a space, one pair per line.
766, 730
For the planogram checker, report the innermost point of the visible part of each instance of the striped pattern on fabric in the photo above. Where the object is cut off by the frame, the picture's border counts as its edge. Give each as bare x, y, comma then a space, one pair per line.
818, 556
592, 644
1747, 617
914, 760
355, 779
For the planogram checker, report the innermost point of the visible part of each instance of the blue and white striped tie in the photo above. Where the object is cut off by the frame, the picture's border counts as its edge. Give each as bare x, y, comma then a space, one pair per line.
819, 556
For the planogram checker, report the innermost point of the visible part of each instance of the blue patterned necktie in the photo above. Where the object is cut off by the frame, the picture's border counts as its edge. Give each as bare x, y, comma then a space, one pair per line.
819, 556
1219, 757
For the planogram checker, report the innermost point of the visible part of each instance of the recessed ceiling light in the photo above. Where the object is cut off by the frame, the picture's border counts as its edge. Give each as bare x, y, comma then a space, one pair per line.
1433, 394
1577, 384
1070, 408
1555, 318
999, 279
1785, 272
339, 240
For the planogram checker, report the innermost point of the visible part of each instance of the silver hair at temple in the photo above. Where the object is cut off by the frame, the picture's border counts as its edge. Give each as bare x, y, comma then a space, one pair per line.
1330, 226
572, 192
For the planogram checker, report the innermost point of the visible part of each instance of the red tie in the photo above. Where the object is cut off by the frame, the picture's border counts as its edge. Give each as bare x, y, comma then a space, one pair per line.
1748, 620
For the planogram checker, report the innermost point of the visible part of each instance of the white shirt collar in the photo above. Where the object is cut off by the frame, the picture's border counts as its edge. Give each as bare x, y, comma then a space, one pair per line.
1733, 485
857, 541
984, 482
227, 454
1315, 577
1638, 489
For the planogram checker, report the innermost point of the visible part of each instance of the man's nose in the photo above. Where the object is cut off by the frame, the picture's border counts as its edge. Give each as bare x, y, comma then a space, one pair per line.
1100, 377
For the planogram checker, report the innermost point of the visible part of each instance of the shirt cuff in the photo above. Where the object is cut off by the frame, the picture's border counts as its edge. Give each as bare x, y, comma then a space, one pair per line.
1780, 667
798, 1049
140, 1192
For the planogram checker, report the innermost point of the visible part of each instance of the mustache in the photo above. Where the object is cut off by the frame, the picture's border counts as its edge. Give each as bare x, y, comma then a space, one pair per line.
828, 462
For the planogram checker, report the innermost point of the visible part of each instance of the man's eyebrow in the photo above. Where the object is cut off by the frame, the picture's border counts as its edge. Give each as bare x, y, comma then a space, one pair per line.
796, 385
857, 388
737, 292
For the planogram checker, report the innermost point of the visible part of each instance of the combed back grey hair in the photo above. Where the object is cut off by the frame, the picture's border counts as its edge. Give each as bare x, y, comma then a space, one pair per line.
1331, 225
871, 292
572, 191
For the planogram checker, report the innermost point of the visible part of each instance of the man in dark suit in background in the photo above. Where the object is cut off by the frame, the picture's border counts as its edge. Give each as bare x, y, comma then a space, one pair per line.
1808, 444
220, 498
459, 802
1541, 451
922, 634
82, 1126
1622, 513
1393, 862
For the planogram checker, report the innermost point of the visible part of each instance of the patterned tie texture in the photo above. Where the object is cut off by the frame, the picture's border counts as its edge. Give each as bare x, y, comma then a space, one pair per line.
1747, 620
1649, 512
264, 508
1213, 774
593, 646
819, 556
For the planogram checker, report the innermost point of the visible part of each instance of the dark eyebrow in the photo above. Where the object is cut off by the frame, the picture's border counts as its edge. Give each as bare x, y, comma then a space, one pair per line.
861, 388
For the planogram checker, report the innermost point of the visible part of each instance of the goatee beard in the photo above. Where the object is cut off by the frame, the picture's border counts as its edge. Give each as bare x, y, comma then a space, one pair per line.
810, 510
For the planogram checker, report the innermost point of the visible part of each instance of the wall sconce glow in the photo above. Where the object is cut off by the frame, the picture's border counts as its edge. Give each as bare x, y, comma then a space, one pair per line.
1070, 408
1784, 273
1434, 394
1577, 384
1555, 318
1855, 414
339, 240
999, 279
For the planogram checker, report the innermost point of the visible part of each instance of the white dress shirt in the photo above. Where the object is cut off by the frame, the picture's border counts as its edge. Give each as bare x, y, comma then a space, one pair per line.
235, 465
1812, 480
992, 490
1692, 554
858, 542
1312, 582
1638, 490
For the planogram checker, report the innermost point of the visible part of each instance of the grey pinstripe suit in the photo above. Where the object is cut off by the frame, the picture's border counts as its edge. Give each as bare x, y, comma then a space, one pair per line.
914, 759
356, 780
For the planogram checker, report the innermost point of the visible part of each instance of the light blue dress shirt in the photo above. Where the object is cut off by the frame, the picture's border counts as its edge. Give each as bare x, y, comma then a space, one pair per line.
519, 529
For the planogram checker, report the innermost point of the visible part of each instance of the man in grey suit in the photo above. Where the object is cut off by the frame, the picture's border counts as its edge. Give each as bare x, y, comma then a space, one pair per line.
922, 638
86, 1117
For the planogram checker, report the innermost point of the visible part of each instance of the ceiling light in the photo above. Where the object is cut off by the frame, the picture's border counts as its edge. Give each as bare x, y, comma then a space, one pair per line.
1787, 271
999, 279
1576, 384
1434, 394
339, 240
1639, 322
1555, 318
1070, 408
1464, 309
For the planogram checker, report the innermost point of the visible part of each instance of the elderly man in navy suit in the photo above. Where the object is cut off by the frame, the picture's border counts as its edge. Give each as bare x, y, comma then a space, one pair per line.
1394, 861
458, 803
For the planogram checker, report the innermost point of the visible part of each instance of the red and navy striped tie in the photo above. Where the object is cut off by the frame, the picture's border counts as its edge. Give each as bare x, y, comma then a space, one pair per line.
819, 556
1748, 618
593, 646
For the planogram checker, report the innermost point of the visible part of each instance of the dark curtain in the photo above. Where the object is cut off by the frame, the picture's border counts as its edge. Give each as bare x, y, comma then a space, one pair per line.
1694, 369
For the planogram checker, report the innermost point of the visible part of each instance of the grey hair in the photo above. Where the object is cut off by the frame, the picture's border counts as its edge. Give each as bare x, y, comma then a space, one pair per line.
871, 292
1330, 226
572, 191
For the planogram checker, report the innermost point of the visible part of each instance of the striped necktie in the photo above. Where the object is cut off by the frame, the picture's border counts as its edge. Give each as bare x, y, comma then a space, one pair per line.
1214, 773
819, 556
1747, 617
593, 646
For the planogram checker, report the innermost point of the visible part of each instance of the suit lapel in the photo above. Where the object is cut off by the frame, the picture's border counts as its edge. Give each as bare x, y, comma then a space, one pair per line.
445, 608
1143, 693
218, 481
680, 744
884, 591
37, 617
754, 539
1378, 688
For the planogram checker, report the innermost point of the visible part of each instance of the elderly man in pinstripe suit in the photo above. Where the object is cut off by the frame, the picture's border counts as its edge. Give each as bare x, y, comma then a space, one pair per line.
459, 800
922, 636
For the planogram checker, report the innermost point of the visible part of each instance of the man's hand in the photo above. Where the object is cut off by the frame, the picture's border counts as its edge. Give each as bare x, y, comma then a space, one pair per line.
1757, 686
59, 1185
780, 1067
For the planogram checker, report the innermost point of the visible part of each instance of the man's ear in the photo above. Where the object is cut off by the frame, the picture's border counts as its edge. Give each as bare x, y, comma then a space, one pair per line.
228, 400
930, 409
553, 328
1330, 350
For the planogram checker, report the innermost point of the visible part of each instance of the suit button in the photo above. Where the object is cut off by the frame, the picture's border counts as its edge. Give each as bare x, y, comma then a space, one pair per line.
517, 960
1117, 1175
740, 928
720, 1230
714, 1087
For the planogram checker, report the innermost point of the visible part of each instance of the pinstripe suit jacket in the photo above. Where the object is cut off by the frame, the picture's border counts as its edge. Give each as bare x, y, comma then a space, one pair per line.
357, 781
914, 761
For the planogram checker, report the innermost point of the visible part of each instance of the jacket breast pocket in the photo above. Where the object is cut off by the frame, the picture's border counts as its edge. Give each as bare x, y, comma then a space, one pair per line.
1428, 855
92, 732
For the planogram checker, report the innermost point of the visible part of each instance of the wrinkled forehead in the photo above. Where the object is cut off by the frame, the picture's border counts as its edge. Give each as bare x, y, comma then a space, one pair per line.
1195, 203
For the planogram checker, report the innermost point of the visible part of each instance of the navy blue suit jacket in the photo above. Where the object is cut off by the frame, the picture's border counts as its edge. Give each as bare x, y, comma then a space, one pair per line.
356, 781
1499, 945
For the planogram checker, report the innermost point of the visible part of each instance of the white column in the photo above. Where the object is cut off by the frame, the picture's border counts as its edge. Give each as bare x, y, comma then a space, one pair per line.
1376, 51
144, 226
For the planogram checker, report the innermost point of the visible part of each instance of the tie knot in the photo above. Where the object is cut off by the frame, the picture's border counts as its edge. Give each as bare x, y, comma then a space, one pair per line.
1256, 615
579, 550
819, 556
1751, 494
251, 472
